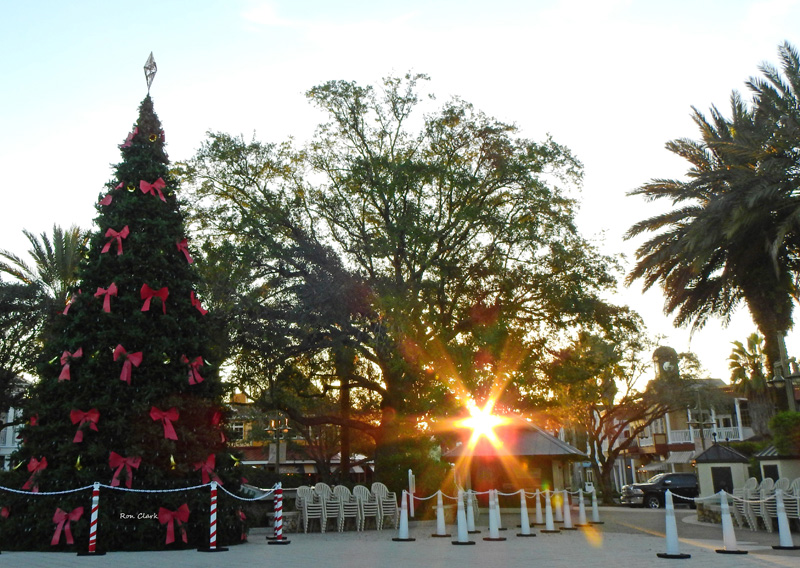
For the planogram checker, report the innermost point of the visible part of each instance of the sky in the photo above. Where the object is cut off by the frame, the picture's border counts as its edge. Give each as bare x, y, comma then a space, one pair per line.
613, 80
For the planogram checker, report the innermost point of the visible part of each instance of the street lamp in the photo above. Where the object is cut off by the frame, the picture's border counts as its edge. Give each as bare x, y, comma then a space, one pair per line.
702, 425
278, 430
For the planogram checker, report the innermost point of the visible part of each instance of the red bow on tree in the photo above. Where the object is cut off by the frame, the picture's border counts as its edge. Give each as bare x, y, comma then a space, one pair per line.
183, 247
80, 417
118, 235
70, 302
34, 467
166, 517
207, 469
134, 359
196, 303
147, 294
107, 292
62, 520
129, 139
194, 366
66, 359
4, 512
166, 417
216, 418
107, 200
154, 187
116, 461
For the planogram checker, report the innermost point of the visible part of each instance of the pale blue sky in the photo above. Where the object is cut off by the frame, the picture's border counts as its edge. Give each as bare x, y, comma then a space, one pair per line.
613, 80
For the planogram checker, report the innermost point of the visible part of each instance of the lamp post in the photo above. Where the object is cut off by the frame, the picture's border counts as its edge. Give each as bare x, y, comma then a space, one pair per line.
781, 379
278, 429
702, 424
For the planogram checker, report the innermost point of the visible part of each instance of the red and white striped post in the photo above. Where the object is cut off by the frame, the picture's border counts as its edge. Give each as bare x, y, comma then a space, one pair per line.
93, 521
212, 536
92, 550
278, 538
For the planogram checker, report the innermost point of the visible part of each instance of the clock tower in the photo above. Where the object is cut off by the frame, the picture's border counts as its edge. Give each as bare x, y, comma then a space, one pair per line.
665, 360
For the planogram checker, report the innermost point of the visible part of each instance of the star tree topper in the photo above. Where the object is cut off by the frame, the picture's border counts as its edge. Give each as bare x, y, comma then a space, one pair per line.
150, 69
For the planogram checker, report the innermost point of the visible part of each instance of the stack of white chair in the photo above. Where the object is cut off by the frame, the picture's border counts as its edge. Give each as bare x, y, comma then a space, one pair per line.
350, 508
369, 506
791, 500
387, 503
330, 503
766, 489
309, 509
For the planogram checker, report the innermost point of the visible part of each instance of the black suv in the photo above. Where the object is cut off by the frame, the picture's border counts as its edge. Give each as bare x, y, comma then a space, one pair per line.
651, 493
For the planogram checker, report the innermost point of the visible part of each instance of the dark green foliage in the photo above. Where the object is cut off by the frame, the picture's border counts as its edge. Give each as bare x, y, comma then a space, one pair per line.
785, 428
442, 252
732, 234
150, 256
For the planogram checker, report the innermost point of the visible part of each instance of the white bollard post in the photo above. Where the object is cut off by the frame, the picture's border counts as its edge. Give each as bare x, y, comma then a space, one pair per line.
412, 488
539, 518
470, 514
728, 535
595, 511
494, 530
673, 550
441, 530
567, 514
461, 519
402, 531
558, 504
497, 511
784, 532
581, 511
549, 527
524, 522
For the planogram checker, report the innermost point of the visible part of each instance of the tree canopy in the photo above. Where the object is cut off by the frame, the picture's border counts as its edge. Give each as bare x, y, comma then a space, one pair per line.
412, 262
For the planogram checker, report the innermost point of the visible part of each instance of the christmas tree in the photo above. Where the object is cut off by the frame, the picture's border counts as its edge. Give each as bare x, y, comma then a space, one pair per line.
129, 393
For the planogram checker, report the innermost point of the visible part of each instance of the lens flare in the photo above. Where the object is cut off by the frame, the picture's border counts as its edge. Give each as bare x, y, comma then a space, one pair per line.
482, 423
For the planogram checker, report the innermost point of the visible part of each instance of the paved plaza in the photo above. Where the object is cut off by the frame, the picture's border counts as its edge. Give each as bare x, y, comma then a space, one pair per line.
627, 538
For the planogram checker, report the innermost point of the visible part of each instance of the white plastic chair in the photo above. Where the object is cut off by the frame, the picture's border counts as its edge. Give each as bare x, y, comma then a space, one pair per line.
330, 503
350, 508
369, 506
387, 503
308, 509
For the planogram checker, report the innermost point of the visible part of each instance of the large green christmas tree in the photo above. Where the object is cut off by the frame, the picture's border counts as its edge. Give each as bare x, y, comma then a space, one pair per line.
129, 393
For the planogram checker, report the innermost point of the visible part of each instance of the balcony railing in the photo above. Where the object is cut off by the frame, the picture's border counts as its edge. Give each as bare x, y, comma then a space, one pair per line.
685, 436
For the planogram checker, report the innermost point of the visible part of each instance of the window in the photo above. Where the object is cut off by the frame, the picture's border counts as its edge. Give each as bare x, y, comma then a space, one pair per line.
237, 431
745, 412
770, 470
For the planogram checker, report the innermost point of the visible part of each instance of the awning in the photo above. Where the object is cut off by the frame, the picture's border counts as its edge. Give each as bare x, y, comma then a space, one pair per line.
656, 466
680, 457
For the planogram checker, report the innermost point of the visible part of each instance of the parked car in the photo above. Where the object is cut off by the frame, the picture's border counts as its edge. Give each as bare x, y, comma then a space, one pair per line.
651, 493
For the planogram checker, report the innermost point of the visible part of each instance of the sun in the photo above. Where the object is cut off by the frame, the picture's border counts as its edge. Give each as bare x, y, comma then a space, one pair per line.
482, 423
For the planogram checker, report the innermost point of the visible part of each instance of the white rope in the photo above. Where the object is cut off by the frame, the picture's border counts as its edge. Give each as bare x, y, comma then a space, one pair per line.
423, 498
267, 494
155, 490
517, 492
45, 492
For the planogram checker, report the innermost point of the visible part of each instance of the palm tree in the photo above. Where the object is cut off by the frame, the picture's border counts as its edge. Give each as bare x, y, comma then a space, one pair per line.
55, 262
730, 237
748, 365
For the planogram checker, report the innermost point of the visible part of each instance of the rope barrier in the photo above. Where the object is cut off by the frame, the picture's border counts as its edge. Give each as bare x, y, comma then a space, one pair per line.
43, 493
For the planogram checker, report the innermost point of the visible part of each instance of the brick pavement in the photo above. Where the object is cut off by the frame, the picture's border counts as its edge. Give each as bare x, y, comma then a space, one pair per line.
610, 545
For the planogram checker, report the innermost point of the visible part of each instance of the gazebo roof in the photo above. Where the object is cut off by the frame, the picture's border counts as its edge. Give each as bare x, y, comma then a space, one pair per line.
718, 453
522, 439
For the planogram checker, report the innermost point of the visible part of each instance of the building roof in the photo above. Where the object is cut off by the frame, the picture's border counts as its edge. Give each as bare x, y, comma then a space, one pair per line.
521, 439
771, 452
718, 453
